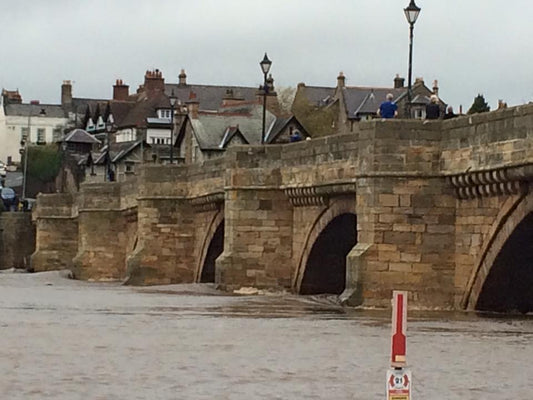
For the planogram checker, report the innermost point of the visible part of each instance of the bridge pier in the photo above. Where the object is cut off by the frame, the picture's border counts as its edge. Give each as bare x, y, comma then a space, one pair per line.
107, 225
258, 233
56, 241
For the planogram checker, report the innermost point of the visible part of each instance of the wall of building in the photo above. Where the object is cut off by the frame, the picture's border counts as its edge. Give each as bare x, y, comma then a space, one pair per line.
11, 127
17, 240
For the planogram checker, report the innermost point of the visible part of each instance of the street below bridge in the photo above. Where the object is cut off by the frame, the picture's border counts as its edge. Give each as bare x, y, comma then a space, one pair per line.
66, 339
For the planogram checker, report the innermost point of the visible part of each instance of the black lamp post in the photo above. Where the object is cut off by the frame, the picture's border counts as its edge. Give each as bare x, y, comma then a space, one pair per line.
411, 13
265, 67
108, 130
172, 100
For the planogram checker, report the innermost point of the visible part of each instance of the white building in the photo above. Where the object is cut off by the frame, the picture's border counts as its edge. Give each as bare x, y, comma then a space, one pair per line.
38, 123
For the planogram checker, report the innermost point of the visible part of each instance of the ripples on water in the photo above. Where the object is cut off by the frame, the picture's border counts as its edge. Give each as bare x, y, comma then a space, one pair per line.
64, 339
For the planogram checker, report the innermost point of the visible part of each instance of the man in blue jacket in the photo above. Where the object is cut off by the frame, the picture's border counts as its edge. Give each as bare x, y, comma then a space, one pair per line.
388, 109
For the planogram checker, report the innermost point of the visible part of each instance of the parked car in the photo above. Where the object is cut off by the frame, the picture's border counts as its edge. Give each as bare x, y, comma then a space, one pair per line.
3, 171
9, 198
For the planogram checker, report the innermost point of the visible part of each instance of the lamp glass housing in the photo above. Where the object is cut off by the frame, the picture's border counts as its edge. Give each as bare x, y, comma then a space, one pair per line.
411, 12
265, 64
172, 98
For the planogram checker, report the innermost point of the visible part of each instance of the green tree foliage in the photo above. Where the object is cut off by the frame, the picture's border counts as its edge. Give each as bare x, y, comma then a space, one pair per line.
286, 98
43, 163
479, 105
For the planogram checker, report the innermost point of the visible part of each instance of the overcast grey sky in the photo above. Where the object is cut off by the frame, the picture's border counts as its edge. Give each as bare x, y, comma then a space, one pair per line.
470, 46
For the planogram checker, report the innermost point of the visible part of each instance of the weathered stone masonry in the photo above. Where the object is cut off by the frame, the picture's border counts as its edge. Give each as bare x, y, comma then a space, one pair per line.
434, 203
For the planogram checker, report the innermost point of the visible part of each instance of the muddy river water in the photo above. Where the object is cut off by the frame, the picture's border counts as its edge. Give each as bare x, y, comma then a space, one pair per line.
64, 339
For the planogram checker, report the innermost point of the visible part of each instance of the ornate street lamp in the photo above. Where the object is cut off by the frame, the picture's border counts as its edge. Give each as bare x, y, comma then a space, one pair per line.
411, 13
265, 67
108, 129
172, 98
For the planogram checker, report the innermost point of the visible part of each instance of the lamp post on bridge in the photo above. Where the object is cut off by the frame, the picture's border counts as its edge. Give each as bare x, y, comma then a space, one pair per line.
265, 67
172, 98
411, 13
108, 129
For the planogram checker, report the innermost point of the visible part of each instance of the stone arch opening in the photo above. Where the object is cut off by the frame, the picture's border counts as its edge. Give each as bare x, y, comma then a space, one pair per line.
325, 269
507, 286
216, 246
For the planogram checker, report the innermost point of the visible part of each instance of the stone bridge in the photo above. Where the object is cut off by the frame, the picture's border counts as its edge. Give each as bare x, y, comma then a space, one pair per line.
443, 209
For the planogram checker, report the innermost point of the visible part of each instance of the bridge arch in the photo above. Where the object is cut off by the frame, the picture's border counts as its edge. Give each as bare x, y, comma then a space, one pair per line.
513, 226
212, 247
335, 227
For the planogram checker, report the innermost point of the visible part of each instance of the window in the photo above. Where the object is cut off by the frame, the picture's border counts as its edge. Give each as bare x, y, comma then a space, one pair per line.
57, 135
164, 114
24, 133
41, 139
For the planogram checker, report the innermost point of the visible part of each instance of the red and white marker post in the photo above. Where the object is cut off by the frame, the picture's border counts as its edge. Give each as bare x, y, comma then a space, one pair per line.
398, 376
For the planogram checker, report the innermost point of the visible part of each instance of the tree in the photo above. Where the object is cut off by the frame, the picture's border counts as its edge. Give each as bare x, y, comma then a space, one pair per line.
286, 98
43, 166
479, 105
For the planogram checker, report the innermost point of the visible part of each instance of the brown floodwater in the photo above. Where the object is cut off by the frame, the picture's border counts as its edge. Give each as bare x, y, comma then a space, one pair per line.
65, 339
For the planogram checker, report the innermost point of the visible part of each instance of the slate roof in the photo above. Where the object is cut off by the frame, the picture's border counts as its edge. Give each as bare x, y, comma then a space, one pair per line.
316, 95
80, 136
118, 151
366, 100
275, 129
210, 97
24, 110
210, 129
144, 108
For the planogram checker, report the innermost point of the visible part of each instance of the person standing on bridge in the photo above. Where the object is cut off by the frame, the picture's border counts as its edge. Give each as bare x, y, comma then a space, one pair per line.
433, 108
388, 109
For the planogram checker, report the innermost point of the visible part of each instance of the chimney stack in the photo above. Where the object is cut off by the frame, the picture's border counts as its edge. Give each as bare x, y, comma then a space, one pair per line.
436, 87
399, 82
182, 78
66, 93
341, 80
193, 105
120, 90
153, 80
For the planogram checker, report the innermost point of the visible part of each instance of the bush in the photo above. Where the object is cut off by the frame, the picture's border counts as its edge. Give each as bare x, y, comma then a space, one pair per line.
44, 163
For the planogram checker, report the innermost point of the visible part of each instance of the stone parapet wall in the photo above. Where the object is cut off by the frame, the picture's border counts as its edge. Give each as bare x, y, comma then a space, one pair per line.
498, 139
17, 240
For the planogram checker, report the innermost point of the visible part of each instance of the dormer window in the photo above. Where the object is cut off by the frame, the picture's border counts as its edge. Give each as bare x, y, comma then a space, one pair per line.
163, 113
90, 125
100, 123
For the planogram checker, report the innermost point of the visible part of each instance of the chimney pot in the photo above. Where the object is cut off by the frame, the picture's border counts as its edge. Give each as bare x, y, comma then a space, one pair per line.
341, 80
182, 78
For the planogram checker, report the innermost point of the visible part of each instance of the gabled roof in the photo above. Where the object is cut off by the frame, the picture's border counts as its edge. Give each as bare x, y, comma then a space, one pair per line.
118, 151
80, 136
366, 100
25, 110
211, 128
230, 133
275, 129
